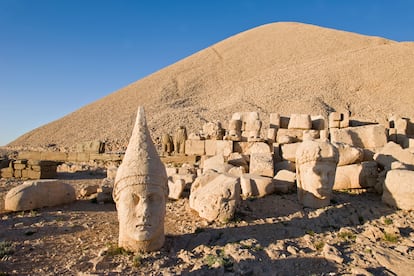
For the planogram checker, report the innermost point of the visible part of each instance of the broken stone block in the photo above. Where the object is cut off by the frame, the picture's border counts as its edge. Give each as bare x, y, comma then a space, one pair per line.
176, 188
238, 160
284, 181
300, 121
194, 147
216, 199
261, 164
310, 134
392, 152
368, 136
256, 185
294, 135
349, 154
289, 151
37, 194
399, 189
274, 120
356, 176
215, 147
171, 171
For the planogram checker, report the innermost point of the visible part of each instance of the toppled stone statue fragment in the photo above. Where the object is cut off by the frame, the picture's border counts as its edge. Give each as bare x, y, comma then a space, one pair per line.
140, 192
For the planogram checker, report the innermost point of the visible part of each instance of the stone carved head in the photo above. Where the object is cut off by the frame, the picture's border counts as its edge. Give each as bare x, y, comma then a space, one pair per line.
140, 192
315, 168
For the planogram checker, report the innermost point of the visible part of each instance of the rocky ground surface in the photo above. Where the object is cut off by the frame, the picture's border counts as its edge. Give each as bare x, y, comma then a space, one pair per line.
274, 235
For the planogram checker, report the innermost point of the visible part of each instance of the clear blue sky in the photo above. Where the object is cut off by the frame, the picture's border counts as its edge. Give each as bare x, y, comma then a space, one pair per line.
59, 55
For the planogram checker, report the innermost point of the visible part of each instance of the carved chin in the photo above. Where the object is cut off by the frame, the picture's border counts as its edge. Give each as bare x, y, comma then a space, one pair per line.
322, 194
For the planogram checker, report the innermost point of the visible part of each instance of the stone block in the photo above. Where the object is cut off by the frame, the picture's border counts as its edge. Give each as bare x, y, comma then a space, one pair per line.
215, 147
300, 121
284, 181
19, 166
31, 174
194, 147
399, 189
247, 148
256, 185
17, 173
72, 156
274, 120
29, 155
176, 188
356, 176
55, 156
368, 136
261, 164
271, 135
224, 147
6, 172
289, 151
37, 194
338, 119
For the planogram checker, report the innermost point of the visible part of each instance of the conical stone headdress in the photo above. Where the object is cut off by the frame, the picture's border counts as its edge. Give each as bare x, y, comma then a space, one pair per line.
141, 164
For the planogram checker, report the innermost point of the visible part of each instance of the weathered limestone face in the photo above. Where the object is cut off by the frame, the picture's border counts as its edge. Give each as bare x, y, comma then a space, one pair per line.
141, 212
140, 192
315, 168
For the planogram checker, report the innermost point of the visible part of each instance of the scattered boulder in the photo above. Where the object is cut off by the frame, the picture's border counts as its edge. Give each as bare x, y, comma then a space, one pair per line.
38, 194
399, 189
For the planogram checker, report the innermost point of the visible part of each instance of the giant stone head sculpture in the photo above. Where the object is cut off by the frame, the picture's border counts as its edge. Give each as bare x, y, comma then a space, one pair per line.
140, 192
316, 162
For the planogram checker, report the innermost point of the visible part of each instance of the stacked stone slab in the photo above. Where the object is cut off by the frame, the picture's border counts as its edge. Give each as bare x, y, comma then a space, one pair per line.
30, 169
401, 131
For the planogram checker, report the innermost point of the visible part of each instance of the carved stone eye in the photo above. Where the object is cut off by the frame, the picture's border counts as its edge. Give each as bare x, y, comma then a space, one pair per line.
135, 199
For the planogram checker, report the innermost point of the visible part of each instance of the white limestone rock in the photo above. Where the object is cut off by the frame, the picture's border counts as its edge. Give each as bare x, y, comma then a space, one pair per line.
38, 194
399, 189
